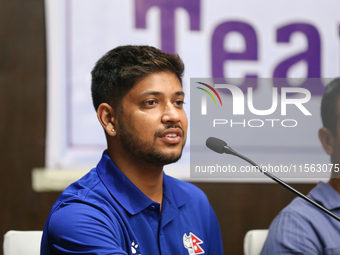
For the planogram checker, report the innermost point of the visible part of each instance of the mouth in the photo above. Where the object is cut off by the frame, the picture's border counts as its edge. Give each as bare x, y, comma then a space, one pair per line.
172, 135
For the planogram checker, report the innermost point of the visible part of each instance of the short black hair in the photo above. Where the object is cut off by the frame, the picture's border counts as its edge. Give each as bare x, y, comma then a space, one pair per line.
115, 74
329, 106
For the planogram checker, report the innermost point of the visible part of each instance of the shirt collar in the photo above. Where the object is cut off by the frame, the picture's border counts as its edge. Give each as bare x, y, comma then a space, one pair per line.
121, 188
128, 195
325, 195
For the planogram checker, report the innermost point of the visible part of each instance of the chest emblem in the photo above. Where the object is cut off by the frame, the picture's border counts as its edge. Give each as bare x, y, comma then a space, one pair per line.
192, 243
134, 248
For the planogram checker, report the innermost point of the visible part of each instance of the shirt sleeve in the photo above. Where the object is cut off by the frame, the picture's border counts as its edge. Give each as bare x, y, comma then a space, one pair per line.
80, 228
290, 233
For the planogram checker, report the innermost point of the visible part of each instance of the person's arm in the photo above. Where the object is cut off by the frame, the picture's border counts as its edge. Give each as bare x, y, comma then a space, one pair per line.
82, 229
290, 233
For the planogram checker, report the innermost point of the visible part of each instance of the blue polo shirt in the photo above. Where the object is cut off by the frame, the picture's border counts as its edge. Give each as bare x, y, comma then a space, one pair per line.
301, 228
105, 213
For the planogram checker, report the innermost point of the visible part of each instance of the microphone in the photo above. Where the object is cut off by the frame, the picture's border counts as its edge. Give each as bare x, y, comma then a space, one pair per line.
220, 146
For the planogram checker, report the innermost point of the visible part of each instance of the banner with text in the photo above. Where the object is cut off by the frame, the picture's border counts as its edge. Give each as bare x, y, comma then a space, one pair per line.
240, 39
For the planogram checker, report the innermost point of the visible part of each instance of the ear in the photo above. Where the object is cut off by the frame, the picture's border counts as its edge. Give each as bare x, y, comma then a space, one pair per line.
107, 116
327, 139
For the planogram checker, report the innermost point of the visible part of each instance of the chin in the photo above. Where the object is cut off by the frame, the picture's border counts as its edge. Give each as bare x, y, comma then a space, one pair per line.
166, 158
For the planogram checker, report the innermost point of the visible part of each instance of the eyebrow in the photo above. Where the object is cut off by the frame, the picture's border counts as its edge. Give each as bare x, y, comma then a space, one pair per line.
157, 93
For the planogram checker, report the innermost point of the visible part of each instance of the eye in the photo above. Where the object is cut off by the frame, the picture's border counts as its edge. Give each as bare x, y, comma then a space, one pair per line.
150, 102
179, 103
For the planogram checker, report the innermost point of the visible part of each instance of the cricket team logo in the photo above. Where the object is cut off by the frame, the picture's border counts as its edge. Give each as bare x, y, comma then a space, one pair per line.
192, 243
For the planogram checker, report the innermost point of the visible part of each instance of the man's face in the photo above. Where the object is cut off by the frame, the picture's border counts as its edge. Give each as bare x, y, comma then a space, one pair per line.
153, 125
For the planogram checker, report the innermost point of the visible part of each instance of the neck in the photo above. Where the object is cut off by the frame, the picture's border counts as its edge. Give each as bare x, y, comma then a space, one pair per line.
146, 176
335, 183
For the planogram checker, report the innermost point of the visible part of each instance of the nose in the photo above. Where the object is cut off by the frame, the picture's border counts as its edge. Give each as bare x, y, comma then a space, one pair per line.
171, 114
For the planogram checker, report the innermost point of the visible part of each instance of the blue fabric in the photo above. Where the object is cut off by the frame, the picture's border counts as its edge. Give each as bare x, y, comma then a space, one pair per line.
302, 228
105, 213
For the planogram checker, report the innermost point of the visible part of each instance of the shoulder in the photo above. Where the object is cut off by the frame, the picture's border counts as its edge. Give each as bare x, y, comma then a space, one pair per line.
293, 230
84, 201
78, 225
82, 214
81, 187
298, 217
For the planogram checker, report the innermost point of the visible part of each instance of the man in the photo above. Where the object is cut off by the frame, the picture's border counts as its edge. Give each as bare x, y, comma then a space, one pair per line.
301, 228
127, 205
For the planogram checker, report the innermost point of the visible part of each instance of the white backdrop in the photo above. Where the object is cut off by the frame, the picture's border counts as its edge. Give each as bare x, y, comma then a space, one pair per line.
252, 35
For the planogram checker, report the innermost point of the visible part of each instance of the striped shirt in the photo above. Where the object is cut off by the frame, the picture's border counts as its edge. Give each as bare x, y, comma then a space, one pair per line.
301, 228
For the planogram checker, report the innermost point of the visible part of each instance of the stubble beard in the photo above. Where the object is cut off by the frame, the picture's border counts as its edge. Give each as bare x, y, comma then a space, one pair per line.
145, 151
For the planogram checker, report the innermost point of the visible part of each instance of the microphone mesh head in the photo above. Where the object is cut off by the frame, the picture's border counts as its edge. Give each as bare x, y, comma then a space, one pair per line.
216, 144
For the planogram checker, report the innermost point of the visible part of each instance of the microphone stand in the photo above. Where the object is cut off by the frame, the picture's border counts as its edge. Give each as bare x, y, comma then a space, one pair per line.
215, 143
278, 180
